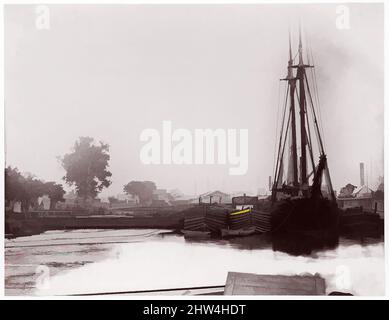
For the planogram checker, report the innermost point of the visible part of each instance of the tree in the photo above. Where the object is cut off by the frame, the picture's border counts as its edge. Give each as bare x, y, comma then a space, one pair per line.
55, 192
86, 167
347, 191
20, 188
13, 185
142, 189
33, 188
27, 189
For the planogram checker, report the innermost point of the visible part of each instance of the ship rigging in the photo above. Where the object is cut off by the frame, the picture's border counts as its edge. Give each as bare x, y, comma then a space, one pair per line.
300, 96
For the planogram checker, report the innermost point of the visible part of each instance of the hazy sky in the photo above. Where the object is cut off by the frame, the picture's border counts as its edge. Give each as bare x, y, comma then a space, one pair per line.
110, 71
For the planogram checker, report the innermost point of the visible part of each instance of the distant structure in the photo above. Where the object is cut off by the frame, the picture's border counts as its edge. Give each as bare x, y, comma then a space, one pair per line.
362, 173
244, 202
179, 198
161, 198
351, 196
73, 201
123, 201
347, 191
361, 197
378, 198
261, 192
127, 198
17, 207
214, 197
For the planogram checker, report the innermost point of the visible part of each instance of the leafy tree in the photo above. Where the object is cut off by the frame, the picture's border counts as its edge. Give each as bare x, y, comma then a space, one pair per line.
55, 192
86, 167
27, 189
20, 188
32, 189
142, 189
13, 185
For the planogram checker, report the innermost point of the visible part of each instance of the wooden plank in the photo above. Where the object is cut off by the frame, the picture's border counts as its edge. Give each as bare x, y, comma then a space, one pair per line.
254, 284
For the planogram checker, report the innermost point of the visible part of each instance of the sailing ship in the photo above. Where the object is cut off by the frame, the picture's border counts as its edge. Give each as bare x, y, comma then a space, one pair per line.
300, 205
301, 215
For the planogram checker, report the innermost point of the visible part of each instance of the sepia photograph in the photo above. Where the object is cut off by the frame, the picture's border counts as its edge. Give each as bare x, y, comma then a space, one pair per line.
211, 149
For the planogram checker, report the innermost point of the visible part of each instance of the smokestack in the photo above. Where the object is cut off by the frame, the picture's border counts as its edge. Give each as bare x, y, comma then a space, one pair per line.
362, 173
270, 184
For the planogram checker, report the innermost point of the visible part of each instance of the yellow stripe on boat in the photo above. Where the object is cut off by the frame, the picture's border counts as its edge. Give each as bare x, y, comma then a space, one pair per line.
240, 212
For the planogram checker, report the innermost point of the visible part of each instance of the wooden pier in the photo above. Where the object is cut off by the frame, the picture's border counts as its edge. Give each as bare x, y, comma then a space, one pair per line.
257, 284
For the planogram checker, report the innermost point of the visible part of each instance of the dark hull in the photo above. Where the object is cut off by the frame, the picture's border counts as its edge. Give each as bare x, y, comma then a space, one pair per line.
356, 223
300, 226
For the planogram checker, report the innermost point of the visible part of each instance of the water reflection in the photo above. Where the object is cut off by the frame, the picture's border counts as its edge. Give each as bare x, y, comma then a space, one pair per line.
125, 260
291, 244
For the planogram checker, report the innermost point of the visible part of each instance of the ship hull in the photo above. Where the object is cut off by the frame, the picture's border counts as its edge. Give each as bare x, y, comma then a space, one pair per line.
196, 234
300, 226
225, 233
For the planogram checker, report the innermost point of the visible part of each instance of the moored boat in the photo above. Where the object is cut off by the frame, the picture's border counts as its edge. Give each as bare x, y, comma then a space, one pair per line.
238, 232
299, 205
196, 234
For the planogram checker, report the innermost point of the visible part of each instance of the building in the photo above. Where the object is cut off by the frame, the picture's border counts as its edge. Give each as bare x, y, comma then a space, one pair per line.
162, 194
378, 199
124, 201
347, 191
17, 207
214, 197
44, 202
363, 197
244, 202
360, 197
73, 201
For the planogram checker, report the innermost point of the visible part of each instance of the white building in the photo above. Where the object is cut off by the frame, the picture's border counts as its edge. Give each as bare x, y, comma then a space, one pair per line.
214, 197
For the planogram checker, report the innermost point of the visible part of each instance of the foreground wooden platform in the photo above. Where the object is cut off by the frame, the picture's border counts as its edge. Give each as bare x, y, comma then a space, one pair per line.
256, 284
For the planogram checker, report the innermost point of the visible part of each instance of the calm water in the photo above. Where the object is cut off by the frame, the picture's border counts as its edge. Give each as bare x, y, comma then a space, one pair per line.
95, 261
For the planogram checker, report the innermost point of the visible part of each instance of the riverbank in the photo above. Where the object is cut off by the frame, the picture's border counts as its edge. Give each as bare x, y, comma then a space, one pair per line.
351, 222
36, 222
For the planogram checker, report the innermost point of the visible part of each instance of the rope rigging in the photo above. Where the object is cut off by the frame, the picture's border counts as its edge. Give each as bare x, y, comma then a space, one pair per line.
298, 86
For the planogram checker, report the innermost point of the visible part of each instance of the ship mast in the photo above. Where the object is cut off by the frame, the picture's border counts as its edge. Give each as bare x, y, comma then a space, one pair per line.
298, 88
292, 88
302, 103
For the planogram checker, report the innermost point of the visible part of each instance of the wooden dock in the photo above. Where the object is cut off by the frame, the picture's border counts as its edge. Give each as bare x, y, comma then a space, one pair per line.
256, 284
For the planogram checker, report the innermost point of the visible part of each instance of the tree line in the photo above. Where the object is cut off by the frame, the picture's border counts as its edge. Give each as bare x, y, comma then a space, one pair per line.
86, 168
27, 189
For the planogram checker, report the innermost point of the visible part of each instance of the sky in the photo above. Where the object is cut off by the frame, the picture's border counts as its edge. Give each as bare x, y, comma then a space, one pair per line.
111, 71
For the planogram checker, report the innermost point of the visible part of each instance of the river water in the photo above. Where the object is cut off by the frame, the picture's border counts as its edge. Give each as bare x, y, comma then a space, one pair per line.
100, 261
